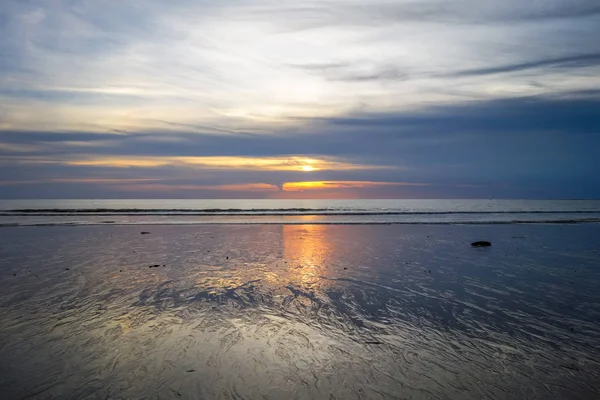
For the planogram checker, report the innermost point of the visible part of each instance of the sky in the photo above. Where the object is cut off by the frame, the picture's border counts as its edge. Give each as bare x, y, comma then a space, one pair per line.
288, 99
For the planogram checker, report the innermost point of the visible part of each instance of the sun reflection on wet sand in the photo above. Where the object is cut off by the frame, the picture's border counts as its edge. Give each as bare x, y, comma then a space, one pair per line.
304, 258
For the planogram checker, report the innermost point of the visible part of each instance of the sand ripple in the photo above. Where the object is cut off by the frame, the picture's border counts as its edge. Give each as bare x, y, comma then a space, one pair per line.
326, 312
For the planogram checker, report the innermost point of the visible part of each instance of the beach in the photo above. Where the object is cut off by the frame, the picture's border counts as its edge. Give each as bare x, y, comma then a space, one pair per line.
300, 311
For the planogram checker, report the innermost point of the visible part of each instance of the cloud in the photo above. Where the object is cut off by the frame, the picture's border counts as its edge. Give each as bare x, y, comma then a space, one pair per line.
158, 187
576, 61
356, 13
355, 72
333, 185
79, 180
221, 163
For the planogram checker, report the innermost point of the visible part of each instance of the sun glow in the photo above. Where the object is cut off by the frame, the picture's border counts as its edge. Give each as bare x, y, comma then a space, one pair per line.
307, 168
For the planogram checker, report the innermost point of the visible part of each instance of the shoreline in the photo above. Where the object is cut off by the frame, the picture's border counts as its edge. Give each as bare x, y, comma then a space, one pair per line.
212, 223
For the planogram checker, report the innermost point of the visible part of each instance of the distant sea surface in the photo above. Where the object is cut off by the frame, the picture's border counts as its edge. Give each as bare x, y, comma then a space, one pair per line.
252, 211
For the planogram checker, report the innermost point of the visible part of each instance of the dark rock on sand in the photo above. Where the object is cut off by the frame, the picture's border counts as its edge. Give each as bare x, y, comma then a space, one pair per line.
481, 243
154, 266
144, 233
190, 370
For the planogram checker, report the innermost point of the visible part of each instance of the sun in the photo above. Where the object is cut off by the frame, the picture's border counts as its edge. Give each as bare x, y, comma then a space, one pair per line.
307, 168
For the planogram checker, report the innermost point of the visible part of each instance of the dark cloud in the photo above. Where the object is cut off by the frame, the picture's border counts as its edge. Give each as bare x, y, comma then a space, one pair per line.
567, 10
535, 113
203, 128
437, 11
29, 137
576, 61
355, 72
359, 72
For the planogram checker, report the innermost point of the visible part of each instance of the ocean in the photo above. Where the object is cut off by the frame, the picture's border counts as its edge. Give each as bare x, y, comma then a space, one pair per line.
252, 211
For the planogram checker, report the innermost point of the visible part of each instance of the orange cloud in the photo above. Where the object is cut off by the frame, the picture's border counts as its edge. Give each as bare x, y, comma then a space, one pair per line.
332, 185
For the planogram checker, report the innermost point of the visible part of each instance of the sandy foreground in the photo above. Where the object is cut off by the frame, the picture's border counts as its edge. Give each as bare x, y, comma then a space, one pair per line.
300, 312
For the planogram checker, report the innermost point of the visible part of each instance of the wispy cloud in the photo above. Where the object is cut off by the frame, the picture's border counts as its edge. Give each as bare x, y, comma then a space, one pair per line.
576, 61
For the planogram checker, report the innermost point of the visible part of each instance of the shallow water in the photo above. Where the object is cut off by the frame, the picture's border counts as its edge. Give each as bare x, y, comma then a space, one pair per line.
253, 211
300, 311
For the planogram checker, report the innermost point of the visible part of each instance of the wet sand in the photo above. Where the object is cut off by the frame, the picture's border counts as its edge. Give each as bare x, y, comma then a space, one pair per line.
300, 312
